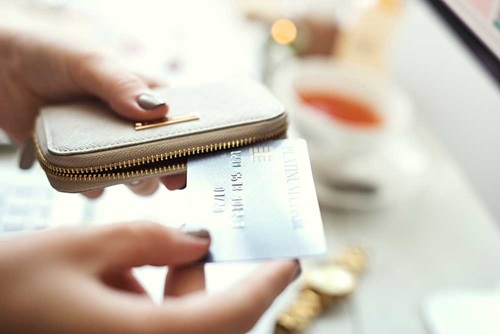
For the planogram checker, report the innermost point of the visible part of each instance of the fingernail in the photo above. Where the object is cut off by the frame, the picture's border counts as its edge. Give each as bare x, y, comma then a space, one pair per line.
149, 101
195, 232
27, 155
135, 183
298, 271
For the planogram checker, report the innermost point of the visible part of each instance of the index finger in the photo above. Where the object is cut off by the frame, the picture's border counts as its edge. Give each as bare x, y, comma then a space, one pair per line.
234, 311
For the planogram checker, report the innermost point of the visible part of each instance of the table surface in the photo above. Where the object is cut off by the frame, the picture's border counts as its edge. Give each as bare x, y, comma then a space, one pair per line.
442, 238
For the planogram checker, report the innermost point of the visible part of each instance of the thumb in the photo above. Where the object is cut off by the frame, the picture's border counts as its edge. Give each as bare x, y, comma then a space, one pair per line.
125, 92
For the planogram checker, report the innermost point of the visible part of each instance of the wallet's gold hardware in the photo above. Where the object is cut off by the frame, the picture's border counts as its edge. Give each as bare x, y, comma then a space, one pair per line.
118, 170
165, 121
116, 175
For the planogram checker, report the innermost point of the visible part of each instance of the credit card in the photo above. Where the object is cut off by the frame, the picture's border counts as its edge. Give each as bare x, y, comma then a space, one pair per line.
258, 202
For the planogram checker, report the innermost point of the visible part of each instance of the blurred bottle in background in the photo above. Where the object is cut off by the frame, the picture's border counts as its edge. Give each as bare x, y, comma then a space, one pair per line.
365, 37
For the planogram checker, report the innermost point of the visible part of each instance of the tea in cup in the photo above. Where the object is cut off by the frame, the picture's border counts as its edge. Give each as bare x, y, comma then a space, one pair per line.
360, 130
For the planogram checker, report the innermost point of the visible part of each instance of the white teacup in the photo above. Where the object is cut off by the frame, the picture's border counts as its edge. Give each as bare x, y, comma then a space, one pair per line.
356, 165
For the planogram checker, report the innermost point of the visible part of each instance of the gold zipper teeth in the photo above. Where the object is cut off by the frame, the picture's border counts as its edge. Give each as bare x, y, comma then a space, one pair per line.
116, 176
96, 172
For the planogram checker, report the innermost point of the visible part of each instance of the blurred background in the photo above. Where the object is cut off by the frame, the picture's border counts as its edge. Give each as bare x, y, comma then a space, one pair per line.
402, 42
401, 124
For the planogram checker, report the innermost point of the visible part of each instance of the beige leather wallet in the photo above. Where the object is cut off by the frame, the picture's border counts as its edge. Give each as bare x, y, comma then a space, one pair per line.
85, 146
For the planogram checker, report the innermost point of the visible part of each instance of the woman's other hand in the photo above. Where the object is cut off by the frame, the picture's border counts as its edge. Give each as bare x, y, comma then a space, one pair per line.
80, 281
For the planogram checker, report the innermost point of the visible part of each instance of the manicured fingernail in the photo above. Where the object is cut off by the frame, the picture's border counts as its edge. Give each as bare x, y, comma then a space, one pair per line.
148, 101
298, 271
195, 232
27, 155
135, 183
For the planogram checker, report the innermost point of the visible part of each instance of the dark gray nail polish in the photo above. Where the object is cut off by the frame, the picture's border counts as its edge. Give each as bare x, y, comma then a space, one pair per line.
148, 101
196, 232
27, 155
298, 272
135, 183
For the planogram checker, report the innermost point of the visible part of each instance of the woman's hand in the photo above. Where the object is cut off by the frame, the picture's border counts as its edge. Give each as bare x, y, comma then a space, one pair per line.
36, 70
80, 281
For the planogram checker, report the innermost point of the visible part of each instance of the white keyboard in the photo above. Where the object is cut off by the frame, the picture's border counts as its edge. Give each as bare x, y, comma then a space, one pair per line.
28, 203
25, 207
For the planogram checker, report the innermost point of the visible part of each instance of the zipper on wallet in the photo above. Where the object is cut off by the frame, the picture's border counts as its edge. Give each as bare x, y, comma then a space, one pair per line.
148, 165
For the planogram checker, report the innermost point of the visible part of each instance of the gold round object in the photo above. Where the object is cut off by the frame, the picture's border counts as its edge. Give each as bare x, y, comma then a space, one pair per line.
331, 280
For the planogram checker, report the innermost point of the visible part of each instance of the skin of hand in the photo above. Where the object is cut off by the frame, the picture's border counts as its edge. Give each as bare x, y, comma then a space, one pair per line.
79, 280
37, 70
